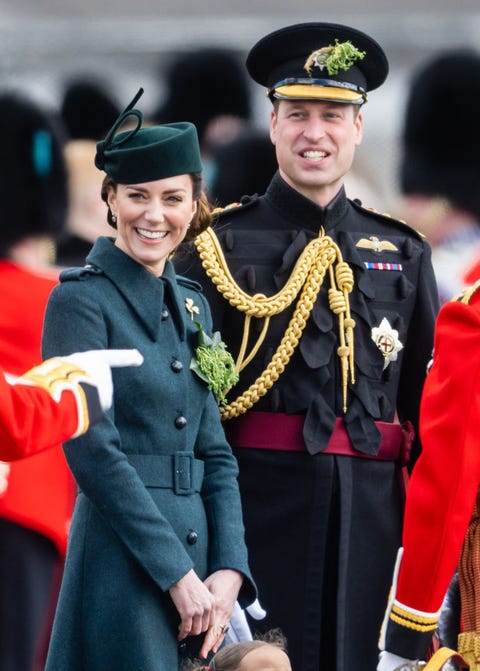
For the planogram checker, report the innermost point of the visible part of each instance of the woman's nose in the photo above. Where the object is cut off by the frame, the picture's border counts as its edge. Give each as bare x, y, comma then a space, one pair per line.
155, 211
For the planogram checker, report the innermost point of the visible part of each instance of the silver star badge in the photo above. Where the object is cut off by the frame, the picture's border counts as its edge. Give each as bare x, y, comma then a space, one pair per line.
386, 339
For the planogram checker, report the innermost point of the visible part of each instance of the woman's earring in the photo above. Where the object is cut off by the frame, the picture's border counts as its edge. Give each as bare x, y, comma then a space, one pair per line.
188, 226
114, 219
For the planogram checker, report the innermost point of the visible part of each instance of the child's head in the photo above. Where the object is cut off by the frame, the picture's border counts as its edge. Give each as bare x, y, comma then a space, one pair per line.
268, 654
252, 656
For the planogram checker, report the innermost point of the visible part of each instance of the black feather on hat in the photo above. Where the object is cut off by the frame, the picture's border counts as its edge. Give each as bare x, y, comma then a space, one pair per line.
441, 137
33, 176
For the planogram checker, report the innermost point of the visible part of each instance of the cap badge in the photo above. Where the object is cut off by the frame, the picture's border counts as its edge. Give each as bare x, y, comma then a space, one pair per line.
376, 245
335, 57
386, 339
191, 308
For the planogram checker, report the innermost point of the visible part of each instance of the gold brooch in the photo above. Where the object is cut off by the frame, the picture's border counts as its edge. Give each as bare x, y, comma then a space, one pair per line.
191, 307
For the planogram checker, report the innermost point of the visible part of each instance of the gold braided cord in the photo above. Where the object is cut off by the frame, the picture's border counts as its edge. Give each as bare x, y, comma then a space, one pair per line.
242, 362
307, 277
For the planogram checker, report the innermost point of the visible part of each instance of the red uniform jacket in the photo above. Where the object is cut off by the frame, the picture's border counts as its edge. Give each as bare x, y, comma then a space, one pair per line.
40, 489
445, 480
46, 406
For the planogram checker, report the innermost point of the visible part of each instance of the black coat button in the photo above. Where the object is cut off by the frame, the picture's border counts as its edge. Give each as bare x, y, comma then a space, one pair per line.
192, 538
181, 422
176, 366
165, 314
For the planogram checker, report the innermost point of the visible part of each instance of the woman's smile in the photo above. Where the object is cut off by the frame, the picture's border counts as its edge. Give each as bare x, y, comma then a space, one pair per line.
152, 218
151, 235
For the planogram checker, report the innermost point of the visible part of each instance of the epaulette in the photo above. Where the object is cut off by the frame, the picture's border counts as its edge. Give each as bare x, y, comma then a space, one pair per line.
189, 284
232, 208
74, 274
466, 295
385, 216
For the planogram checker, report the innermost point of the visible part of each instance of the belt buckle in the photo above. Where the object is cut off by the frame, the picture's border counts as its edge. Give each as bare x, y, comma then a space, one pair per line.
183, 473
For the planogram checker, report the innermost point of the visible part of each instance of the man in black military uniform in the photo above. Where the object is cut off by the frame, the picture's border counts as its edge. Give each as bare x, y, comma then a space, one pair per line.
329, 309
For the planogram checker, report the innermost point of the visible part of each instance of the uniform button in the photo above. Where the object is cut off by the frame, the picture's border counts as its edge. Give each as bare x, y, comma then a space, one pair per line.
229, 241
181, 422
176, 366
165, 314
192, 538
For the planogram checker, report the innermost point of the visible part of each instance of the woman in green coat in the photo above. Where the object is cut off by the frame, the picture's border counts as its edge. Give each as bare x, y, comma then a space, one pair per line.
156, 556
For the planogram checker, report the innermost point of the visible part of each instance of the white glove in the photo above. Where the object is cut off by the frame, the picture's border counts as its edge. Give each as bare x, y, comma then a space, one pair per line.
98, 364
389, 662
238, 627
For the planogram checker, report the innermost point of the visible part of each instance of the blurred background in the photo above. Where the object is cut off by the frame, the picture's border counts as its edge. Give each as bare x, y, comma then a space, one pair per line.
127, 44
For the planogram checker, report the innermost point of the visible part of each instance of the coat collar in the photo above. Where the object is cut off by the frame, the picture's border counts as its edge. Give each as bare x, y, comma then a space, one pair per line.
297, 208
141, 289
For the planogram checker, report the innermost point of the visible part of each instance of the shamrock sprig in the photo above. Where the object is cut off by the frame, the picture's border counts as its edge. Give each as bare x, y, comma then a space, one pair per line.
335, 57
214, 364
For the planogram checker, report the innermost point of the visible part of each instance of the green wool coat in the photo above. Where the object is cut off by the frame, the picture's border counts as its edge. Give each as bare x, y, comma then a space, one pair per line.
157, 480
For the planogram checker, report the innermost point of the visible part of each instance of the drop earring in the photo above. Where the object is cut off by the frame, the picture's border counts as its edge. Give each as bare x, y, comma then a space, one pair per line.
114, 219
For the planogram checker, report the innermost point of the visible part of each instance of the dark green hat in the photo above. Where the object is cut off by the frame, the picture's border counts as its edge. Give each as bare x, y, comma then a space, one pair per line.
150, 153
318, 61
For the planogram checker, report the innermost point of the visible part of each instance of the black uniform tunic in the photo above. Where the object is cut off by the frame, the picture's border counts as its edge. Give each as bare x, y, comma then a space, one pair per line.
322, 529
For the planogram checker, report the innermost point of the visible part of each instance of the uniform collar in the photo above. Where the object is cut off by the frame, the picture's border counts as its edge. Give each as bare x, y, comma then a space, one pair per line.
299, 209
140, 288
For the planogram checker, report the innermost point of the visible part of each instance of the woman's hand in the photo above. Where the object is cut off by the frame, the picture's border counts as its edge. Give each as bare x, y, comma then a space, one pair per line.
224, 585
195, 604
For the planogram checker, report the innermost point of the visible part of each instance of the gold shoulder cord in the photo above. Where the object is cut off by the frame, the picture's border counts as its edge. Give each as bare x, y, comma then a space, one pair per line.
466, 295
307, 276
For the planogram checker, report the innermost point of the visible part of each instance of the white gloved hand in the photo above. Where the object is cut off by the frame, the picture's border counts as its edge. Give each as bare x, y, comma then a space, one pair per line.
238, 626
387, 661
98, 364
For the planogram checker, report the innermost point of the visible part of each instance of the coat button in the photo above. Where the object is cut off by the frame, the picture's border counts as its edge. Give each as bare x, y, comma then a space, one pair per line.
176, 366
181, 422
165, 314
192, 538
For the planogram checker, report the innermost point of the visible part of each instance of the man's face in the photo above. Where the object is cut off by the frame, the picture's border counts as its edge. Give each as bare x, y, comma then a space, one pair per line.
315, 143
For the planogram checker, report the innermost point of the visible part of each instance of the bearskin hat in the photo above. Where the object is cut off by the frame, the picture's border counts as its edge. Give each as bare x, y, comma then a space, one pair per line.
33, 175
441, 136
203, 84
87, 109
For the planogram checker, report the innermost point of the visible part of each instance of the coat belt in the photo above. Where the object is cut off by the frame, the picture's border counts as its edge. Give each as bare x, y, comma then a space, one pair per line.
279, 431
180, 471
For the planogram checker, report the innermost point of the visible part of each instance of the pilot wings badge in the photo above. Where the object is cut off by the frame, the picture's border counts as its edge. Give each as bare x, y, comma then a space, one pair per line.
376, 245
